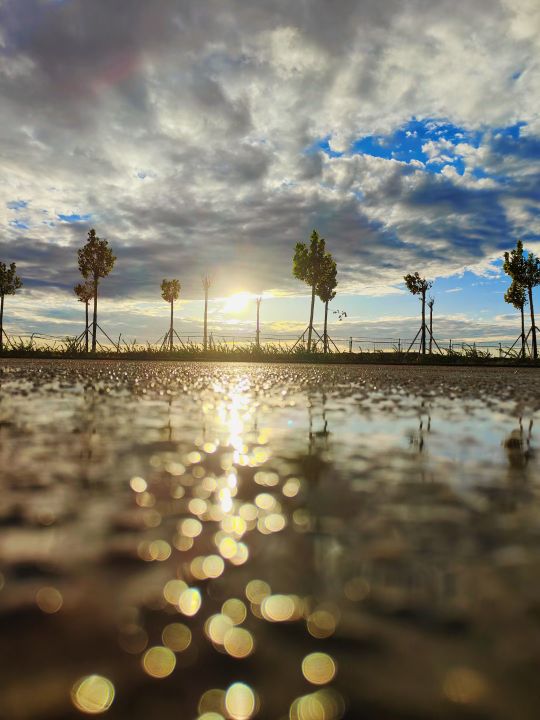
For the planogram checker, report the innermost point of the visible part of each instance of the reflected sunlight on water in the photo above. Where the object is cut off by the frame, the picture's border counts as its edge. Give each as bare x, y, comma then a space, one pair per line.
228, 541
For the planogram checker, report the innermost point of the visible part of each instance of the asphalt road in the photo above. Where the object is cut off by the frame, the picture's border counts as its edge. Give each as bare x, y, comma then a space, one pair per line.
194, 540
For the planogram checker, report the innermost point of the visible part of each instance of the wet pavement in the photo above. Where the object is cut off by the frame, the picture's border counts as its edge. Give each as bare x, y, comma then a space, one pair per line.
198, 540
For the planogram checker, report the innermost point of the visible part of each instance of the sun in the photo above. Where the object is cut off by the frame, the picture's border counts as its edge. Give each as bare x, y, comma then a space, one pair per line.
236, 303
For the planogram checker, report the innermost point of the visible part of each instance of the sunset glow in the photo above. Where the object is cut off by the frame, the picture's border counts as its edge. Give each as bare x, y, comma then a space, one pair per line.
236, 303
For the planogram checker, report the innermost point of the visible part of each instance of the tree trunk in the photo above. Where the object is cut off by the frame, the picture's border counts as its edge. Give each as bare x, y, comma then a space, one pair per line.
522, 333
423, 323
94, 321
171, 329
325, 327
205, 341
2, 323
86, 327
533, 325
310, 328
258, 337
430, 329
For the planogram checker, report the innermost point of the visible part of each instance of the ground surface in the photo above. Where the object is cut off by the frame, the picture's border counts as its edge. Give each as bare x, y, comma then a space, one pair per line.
391, 515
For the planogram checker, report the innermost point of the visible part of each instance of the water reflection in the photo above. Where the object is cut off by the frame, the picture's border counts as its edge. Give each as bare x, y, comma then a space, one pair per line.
518, 447
416, 439
240, 543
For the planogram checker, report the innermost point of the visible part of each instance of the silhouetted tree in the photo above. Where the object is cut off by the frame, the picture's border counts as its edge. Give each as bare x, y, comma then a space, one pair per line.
170, 290
419, 286
258, 335
96, 261
206, 283
430, 304
526, 272
516, 296
326, 289
307, 265
10, 282
85, 293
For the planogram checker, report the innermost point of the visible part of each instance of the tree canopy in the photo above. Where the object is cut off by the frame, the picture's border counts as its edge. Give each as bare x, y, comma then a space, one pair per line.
10, 282
326, 286
84, 291
516, 296
524, 270
417, 285
96, 259
170, 290
308, 261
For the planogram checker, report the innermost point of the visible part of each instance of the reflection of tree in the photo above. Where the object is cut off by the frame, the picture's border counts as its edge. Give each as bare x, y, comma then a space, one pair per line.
518, 450
317, 439
88, 432
416, 439
169, 421
325, 547
256, 404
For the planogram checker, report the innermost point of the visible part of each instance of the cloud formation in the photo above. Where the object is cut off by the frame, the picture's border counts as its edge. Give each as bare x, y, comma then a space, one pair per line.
198, 135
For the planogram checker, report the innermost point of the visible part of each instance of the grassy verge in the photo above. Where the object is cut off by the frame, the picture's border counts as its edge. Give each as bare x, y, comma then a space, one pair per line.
276, 355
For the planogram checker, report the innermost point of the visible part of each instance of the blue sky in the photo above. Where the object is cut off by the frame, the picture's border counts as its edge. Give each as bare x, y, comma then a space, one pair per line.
407, 143
198, 140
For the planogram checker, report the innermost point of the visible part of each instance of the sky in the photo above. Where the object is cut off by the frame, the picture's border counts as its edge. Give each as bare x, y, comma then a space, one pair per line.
210, 136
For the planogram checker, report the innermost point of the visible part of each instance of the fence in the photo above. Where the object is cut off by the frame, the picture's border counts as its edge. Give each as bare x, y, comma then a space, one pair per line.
275, 342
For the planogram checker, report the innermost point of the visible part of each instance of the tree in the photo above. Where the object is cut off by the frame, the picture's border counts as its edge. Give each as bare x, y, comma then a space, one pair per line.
258, 334
85, 292
526, 272
517, 297
206, 283
170, 290
96, 261
307, 265
10, 282
419, 286
430, 304
326, 289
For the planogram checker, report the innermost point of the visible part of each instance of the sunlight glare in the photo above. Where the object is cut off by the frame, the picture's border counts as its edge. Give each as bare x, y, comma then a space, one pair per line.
236, 303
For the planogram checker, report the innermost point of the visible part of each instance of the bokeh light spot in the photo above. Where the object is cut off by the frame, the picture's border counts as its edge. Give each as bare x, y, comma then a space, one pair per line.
138, 484
213, 566
321, 705
281, 608
93, 694
318, 668
240, 701
49, 600
212, 702
238, 642
257, 590
173, 590
321, 624
190, 602
176, 636
216, 628
158, 661
235, 609
191, 527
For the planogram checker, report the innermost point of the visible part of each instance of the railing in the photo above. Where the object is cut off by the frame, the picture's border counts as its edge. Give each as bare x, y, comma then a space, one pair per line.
275, 342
